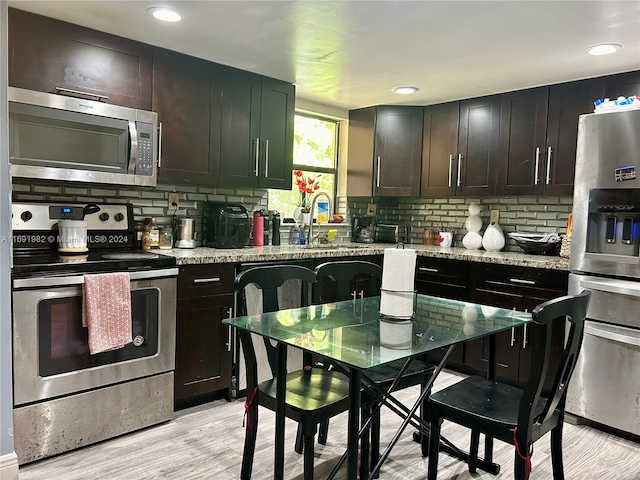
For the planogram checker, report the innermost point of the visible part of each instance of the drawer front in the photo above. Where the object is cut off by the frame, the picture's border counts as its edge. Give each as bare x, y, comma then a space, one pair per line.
205, 280
518, 280
441, 270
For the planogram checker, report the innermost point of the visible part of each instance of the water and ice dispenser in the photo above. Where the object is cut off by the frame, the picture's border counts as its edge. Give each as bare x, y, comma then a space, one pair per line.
614, 222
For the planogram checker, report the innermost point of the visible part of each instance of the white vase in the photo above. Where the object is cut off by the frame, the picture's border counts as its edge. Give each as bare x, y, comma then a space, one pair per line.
473, 240
493, 238
300, 217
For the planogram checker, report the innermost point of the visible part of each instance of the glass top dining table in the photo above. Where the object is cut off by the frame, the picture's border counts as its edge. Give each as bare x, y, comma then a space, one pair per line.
354, 333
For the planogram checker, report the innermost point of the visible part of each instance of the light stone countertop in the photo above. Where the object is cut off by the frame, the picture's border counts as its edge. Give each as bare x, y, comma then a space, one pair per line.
204, 255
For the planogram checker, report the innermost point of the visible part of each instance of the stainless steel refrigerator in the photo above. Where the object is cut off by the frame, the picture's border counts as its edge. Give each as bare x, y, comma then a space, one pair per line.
605, 387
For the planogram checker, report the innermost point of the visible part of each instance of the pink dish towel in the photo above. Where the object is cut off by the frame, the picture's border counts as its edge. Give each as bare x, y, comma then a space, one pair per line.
106, 311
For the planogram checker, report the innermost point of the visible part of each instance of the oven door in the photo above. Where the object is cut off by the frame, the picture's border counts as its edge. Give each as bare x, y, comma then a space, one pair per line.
50, 350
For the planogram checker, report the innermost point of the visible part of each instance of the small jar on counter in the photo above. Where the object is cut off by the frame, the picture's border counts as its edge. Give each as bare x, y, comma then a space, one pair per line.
166, 239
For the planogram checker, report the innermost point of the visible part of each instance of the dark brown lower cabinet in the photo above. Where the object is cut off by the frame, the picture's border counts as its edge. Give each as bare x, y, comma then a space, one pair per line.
203, 343
521, 289
443, 278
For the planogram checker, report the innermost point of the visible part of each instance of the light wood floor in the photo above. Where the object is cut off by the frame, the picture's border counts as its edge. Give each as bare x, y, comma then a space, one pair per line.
206, 442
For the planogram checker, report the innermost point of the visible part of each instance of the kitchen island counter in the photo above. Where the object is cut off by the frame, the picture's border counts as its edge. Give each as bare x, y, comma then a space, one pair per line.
205, 255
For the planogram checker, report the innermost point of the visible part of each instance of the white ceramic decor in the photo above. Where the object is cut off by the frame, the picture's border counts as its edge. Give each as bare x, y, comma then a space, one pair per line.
493, 238
473, 240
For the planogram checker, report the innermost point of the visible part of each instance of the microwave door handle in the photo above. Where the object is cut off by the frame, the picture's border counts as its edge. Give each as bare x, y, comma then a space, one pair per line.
133, 147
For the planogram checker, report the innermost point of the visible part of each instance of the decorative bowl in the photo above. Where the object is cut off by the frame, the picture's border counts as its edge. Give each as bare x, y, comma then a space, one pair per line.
538, 244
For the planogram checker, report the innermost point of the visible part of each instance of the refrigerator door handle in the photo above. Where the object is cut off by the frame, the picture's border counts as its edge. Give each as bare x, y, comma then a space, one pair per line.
612, 286
617, 334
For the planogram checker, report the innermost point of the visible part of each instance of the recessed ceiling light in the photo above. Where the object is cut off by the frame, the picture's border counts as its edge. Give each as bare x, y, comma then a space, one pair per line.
603, 49
166, 14
406, 90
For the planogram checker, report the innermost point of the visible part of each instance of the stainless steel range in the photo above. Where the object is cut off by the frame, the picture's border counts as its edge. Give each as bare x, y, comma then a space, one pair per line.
605, 387
64, 397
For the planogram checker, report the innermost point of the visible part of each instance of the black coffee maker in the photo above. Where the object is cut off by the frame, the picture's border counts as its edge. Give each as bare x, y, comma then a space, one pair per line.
363, 229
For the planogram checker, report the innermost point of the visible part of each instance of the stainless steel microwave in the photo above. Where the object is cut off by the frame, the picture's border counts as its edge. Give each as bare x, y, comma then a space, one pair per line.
57, 137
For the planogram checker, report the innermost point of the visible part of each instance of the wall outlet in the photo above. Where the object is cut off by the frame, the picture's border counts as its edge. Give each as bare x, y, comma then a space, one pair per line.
495, 216
371, 209
173, 198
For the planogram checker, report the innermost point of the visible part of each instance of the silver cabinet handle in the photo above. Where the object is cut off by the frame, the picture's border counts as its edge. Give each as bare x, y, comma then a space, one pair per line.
428, 269
378, 173
159, 144
450, 161
354, 294
513, 336
230, 312
535, 181
257, 156
548, 165
266, 158
361, 294
207, 280
523, 282
459, 163
524, 336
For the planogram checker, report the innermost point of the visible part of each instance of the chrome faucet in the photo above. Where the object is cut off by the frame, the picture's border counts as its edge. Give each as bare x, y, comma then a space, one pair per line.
311, 238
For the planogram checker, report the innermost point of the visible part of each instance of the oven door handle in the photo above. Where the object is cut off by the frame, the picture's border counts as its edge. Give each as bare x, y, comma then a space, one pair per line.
79, 279
614, 333
611, 286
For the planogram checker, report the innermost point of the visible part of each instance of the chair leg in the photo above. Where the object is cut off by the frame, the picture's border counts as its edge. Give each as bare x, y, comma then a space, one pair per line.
365, 414
298, 446
251, 432
556, 453
323, 433
308, 436
434, 445
424, 408
520, 468
375, 437
473, 451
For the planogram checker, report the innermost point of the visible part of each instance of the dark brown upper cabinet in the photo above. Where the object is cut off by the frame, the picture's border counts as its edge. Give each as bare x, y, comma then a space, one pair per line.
622, 84
47, 54
385, 149
477, 146
257, 131
440, 149
187, 98
567, 101
523, 124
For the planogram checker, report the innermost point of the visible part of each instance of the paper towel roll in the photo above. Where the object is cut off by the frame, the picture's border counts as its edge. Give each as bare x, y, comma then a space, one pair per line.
399, 269
396, 304
396, 333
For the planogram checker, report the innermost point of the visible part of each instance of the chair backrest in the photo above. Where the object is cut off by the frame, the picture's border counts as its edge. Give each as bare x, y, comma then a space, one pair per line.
270, 284
344, 274
571, 308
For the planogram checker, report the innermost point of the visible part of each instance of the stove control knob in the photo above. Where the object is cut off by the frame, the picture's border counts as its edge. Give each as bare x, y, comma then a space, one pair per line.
119, 217
104, 216
26, 216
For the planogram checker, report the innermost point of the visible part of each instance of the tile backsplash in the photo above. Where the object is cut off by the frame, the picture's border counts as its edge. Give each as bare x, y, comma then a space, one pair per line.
528, 214
522, 214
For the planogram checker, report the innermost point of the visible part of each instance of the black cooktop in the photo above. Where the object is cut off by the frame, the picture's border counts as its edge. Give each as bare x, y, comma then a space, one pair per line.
29, 263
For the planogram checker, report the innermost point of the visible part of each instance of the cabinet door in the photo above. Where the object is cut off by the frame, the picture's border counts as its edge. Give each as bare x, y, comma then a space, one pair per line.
523, 124
276, 133
45, 53
240, 131
398, 151
203, 348
623, 84
478, 146
567, 102
361, 141
439, 149
186, 96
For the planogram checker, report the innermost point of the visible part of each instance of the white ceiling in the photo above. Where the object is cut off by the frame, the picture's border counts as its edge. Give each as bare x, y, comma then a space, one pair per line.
350, 54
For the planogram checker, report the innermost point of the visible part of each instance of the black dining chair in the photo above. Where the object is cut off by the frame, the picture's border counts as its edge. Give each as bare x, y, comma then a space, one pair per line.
312, 395
349, 279
514, 415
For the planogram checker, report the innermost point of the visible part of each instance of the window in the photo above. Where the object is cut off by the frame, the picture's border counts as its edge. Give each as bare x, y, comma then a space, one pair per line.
315, 151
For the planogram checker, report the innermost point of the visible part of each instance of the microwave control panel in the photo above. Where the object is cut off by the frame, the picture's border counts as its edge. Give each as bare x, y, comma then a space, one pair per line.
144, 164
